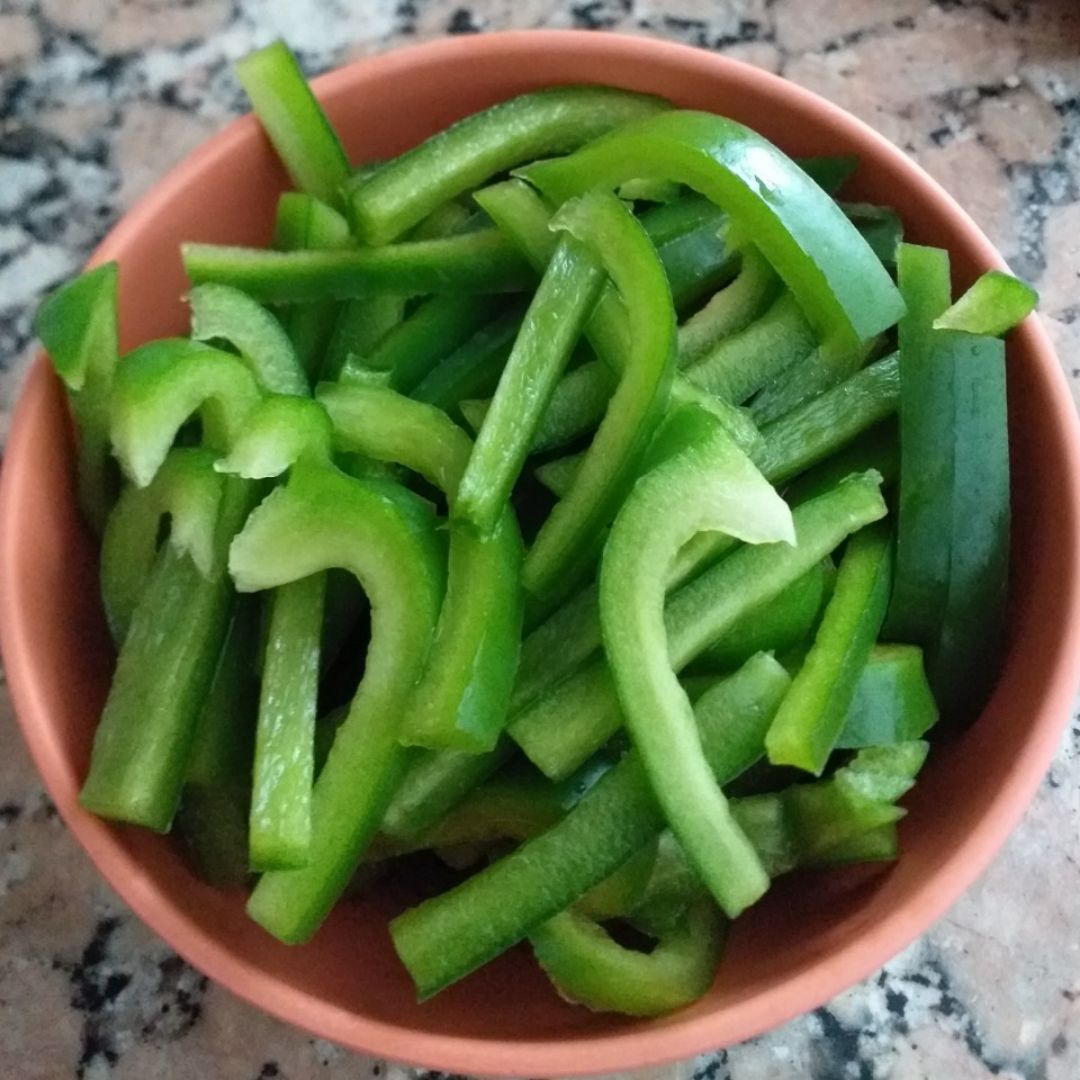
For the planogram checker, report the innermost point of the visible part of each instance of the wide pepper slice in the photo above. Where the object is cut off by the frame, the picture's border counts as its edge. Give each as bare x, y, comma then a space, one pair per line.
461, 699
384, 536
832, 271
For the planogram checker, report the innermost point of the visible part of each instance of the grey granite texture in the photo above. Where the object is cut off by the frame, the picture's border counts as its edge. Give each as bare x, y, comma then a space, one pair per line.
98, 98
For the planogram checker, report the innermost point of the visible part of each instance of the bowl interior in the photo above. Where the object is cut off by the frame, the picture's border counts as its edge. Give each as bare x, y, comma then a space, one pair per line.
812, 935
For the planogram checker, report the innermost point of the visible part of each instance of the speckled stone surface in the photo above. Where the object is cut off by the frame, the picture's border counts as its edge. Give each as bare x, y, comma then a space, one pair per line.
99, 97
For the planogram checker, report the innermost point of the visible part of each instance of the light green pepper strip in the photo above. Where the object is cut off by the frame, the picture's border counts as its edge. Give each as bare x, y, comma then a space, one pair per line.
994, 304
590, 968
466, 154
221, 313
447, 937
160, 385
77, 325
279, 431
479, 262
549, 331
561, 729
187, 491
711, 485
384, 536
555, 561
831, 270
359, 328
461, 699
559, 473
294, 121
878, 448
811, 717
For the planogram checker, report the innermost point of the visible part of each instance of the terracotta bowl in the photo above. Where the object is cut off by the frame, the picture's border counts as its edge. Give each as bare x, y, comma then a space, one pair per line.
809, 939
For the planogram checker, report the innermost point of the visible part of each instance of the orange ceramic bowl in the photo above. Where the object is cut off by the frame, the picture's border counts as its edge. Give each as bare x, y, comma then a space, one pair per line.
805, 942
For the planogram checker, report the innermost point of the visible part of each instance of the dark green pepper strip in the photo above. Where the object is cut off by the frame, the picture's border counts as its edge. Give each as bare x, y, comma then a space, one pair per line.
561, 729
811, 717
77, 325
892, 703
444, 939
590, 968
145, 733
187, 491
466, 154
461, 699
160, 385
829, 267
554, 562
994, 304
549, 331
479, 262
214, 808
383, 535
410, 350
473, 368
294, 121
221, 313
880, 227
712, 485
359, 328
740, 365
877, 448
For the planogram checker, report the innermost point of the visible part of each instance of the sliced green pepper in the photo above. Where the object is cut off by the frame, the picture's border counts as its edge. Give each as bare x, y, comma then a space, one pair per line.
466, 154
812, 716
829, 267
994, 304
383, 535
359, 328
278, 431
461, 699
294, 121
712, 485
77, 325
893, 702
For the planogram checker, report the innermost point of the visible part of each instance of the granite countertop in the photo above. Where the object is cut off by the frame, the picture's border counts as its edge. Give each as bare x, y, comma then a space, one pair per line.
98, 98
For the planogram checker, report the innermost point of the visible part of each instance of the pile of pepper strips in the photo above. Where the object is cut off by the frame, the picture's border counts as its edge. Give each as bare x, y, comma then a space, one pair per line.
620, 655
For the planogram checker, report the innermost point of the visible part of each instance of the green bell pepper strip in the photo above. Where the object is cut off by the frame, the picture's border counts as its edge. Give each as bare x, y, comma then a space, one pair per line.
561, 729
77, 324
811, 717
213, 814
143, 739
277, 432
926, 418
305, 223
478, 262
827, 265
358, 329
650, 191
472, 368
446, 220
877, 448
222, 313
466, 154
461, 699
294, 121
187, 491
559, 473
740, 365
711, 485
447, 937
412, 349
588, 967
555, 560
776, 626
893, 702
548, 334
994, 304
731, 310
384, 536
160, 385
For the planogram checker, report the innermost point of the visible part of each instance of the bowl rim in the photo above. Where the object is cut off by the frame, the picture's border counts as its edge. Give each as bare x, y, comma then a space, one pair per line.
639, 1046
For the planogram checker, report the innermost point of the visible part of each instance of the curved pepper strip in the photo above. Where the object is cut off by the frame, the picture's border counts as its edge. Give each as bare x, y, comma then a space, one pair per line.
384, 536
995, 303
159, 386
187, 491
222, 313
832, 271
77, 324
590, 968
460, 701
710, 486
445, 938
461, 157
279, 431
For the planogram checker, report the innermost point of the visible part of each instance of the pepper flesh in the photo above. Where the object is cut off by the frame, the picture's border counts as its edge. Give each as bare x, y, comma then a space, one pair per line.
995, 303
893, 702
